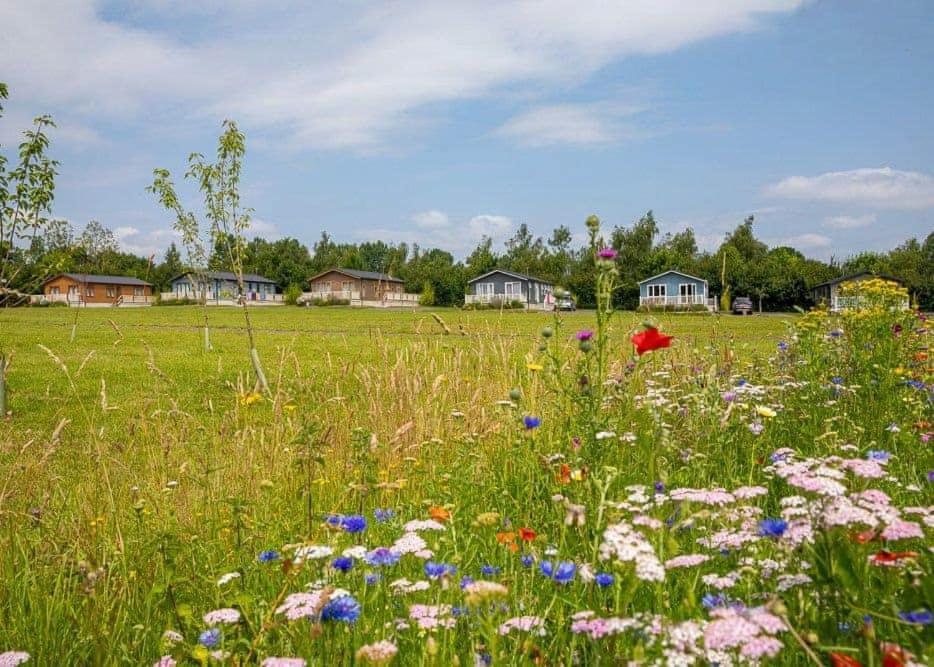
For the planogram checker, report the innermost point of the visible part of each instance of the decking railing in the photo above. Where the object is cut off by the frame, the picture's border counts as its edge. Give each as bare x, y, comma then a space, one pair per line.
841, 303
678, 301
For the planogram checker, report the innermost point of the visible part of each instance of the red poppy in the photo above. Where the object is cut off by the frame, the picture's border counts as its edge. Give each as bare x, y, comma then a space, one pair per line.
885, 557
650, 339
844, 660
893, 655
527, 534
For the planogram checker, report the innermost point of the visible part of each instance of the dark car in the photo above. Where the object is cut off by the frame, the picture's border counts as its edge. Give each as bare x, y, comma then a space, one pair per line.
742, 305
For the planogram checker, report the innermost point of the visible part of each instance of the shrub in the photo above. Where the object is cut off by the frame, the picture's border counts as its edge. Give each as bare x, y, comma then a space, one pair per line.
292, 294
427, 297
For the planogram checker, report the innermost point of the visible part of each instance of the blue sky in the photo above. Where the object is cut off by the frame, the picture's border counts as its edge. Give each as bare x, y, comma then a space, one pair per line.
438, 122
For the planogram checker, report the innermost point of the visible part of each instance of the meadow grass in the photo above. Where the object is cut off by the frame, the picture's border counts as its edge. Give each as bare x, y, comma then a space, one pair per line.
139, 468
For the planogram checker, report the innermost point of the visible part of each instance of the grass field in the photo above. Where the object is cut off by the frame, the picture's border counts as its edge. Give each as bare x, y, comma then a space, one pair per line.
138, 469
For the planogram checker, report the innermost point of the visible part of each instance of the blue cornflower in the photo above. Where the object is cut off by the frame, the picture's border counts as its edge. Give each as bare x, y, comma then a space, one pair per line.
740, 383
466, 581
458, 611
931, 475
878, 455
531, 422
381, 556
783, 346
489, 570
528, 560
342, 563
659, 487
345, 609
915, 384
268, 556
371, 578
210, 638
711, 600
563, 572
836, 379
920, 617
435, 570
772, 527
604, 579
355, 523
383, 515
836, 333
334, 520
775, 457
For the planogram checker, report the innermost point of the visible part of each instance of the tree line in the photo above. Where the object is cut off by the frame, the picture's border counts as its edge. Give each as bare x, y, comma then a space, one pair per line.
777, 278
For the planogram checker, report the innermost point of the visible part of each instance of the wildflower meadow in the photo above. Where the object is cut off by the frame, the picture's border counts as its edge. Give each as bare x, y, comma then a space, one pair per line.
471, 488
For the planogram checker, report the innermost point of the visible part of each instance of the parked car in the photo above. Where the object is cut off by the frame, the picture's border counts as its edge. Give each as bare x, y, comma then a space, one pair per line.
742, 305
565, 303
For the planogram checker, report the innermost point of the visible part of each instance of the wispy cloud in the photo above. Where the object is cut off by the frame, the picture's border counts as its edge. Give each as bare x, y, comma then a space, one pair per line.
368, 77
884, 188
849, 221
439, 230
573, 124
808, 241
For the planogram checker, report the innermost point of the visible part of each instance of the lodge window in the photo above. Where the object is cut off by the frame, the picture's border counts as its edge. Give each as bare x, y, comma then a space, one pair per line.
137, 291
89, 291
513, 289
687, 289
346, 285
111, 292
485, 289
657, 290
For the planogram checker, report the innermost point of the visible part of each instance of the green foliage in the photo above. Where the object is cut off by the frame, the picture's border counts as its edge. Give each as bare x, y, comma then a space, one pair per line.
427, 297
292, 294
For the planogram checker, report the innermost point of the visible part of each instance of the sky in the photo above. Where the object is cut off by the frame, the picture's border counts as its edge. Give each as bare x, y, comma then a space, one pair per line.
439, 122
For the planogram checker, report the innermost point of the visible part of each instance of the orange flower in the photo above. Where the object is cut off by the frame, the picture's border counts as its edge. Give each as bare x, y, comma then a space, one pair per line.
527, 534
843, 660
564, 475
506, 537
863, 537
439, 514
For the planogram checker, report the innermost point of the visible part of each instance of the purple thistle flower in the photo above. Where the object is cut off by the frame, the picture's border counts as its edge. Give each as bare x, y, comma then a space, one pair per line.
608, 254
585, 334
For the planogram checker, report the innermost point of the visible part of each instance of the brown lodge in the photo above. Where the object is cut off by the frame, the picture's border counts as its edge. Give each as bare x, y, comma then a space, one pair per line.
79, 288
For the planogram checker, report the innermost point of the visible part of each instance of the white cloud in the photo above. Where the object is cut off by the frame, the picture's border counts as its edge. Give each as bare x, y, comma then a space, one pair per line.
125, 232
263, 228
884, 187
432, 219
455, 236
353, 76
497, 227
849, 221
574, 124
807, 241
145, 243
